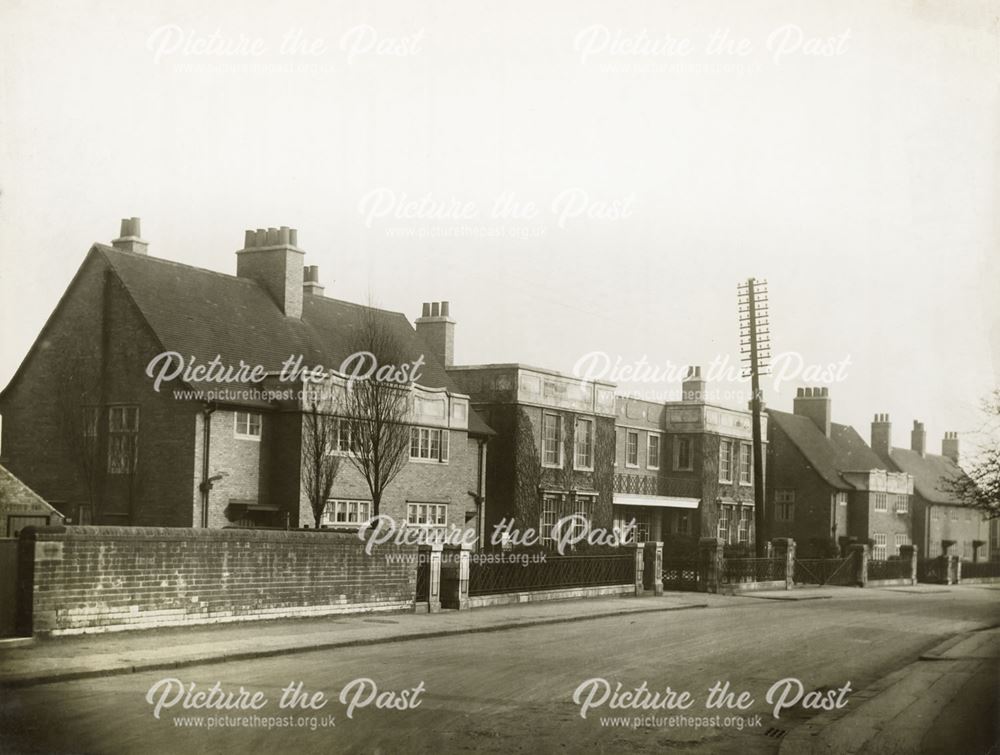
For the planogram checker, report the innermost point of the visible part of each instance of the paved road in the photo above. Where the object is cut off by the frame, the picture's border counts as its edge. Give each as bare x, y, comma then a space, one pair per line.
512, 691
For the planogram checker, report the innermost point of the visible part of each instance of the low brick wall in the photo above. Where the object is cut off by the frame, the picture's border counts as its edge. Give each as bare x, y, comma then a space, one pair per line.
99, 579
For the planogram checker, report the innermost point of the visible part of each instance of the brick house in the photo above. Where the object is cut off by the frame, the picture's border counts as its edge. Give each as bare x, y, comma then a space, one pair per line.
941, 523
85, 426
553, 453
826, 487
684, 469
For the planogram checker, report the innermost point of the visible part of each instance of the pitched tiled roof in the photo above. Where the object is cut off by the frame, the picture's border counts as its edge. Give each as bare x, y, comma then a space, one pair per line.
203, 313
843, 451
928, 472
17, 498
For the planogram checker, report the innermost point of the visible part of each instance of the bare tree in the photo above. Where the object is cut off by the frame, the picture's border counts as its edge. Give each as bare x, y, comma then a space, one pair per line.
378, 408
978, 486
320, 464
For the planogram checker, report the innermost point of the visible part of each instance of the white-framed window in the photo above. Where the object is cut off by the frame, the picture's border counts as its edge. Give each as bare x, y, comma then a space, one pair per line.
726, 461
631, 448
744, 525
881, 504
840, 498
345, 437
901, 540
954, 515
653, 451
123, 439
584, 508
346, 512
429, 444
902, 504
723, 531
784, 504
246, 425
683, 456
642, 519
583, 444
552, 440
878, 552
746, 464
549, 516
427, 514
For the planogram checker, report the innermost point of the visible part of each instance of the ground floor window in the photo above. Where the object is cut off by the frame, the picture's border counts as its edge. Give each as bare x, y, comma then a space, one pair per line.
682, 522
346, 512
643, 528
878, 550
557, 506
427, 514
745, 525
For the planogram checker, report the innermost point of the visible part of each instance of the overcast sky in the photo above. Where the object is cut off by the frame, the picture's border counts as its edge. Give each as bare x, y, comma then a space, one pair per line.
844, 151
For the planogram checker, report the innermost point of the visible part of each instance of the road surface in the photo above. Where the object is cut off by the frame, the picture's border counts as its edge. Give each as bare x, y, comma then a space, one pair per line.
512, 691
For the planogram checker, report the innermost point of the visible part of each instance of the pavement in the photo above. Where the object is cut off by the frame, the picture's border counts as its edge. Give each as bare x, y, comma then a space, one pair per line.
43, 660
924, 707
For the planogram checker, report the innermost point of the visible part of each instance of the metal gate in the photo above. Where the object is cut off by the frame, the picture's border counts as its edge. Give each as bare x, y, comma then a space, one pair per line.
682, 574
826, 571
8, 587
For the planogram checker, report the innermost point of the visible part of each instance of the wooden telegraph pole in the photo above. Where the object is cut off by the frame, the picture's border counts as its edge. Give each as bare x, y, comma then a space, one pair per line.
755, 351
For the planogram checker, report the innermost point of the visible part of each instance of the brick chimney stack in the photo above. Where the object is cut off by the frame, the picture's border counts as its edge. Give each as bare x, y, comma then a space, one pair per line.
814, 403
130, 238
272, 258
310, 283
693, 385
918, 438
949, 446
882, 436
437, 330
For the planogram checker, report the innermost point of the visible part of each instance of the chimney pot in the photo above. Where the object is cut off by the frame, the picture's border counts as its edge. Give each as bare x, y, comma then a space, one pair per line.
693, 386
130, 239
437, 331
814, 404
278, 270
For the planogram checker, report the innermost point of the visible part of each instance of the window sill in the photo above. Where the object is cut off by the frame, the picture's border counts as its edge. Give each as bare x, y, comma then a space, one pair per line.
652, 469
632, 466
255, 438
428, 461
551, 466
582, 469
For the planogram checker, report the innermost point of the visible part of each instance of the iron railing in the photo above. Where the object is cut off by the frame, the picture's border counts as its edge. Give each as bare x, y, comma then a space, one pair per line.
980, 569
641, 484
825, 571
737, 570
893, 568
554, 573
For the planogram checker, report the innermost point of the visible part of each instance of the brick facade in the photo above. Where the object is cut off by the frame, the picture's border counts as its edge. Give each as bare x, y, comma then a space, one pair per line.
92, 352
97, 579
